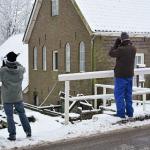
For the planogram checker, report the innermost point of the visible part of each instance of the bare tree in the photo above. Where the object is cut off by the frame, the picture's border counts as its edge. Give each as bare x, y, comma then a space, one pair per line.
13, 17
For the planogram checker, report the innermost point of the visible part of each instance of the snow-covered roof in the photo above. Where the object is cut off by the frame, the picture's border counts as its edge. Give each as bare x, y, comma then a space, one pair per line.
132, 16
15, 44
106, 16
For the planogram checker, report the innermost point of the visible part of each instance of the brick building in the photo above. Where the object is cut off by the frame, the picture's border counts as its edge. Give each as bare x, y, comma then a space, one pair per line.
69, 36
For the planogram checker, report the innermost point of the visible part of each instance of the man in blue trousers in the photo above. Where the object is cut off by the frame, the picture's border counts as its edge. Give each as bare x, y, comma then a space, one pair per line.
11, 76
124, 52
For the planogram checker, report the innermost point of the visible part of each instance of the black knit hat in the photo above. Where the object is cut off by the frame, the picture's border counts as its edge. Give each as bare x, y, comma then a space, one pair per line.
124, 36
11, 56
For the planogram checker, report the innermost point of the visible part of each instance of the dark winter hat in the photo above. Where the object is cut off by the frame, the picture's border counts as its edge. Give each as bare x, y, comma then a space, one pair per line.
11, 56
124, 36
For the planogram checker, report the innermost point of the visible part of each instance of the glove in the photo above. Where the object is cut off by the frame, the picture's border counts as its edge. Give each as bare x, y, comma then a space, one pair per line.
117, 42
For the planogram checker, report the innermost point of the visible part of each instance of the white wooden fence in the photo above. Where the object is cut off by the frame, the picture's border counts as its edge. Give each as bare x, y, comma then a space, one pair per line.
136, 91
89, 75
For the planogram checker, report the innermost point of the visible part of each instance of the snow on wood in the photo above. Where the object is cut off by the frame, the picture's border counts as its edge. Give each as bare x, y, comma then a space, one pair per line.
97, 74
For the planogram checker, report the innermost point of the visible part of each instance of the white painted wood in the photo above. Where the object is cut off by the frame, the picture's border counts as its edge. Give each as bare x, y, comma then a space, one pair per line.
92, 75
97, 74
106, 96
104, 99
95, 93
144, 100
67, 89
112, 87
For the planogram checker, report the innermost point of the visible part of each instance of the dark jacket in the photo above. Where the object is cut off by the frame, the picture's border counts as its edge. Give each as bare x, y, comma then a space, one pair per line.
125, 56
11, 76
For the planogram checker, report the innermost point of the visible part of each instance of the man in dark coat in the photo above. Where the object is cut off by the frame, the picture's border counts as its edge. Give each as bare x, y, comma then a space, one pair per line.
124, 52
11, 76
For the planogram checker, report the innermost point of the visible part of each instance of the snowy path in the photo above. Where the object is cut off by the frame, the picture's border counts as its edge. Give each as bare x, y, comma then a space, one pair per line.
51, 129
128, 139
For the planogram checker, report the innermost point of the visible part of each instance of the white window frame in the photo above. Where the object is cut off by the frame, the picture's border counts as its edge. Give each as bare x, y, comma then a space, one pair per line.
35, 58
67, 58
141, 55
137, 63
44, 60
55, 67
82, 57
55, 7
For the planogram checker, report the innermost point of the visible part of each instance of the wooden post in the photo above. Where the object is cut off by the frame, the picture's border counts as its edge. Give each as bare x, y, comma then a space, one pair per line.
104, 100
67, 89
144, 100
95, 93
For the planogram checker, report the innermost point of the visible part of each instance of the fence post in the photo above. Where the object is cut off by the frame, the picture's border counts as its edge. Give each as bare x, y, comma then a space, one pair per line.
104, 100
144, 100
67, 89
95, 93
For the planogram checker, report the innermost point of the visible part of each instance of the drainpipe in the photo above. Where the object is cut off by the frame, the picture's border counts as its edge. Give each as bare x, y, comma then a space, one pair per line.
93, 52
93, 67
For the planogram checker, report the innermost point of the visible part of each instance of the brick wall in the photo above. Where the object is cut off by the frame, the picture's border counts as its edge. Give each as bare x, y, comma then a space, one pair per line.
54, 33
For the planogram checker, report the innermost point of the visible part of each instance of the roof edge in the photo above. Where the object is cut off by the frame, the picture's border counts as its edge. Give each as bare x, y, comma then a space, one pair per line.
131, 34
82, 17
32, 20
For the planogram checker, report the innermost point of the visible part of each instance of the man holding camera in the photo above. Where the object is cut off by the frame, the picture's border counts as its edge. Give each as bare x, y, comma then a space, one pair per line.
11, 76
124, 52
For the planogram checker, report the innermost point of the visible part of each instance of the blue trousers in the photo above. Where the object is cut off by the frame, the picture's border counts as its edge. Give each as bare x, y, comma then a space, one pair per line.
123, 97
8, 107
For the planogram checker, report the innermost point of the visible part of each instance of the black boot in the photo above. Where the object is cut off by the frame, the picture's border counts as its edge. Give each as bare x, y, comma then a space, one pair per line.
12, 138
28, 134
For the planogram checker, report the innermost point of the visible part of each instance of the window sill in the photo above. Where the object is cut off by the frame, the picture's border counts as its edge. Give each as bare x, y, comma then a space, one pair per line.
35, 69
81, 71
55, 70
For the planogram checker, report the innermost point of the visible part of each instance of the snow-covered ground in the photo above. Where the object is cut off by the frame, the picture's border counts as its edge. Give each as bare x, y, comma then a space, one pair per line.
51, 129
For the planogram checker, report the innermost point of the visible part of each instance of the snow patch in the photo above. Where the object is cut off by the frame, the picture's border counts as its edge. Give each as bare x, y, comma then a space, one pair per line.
51, 129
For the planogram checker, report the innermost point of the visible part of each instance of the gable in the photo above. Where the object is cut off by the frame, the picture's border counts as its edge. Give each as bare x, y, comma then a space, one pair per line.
32, 20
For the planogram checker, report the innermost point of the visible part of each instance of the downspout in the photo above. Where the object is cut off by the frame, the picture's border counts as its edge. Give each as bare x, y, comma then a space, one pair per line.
93, 52
93, 66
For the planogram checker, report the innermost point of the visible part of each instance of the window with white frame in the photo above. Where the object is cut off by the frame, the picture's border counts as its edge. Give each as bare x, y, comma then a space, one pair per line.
139, 59
55, 7
139, 63
44, 58
82, 57
67, 60
55, 60
35, 58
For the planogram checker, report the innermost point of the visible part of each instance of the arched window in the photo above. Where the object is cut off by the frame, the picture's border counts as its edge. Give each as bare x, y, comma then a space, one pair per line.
35, 60
55, 7
55, 60
67, 60
44, 64
82, 57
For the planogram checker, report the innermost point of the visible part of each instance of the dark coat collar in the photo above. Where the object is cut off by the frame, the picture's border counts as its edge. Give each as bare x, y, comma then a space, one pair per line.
12, 65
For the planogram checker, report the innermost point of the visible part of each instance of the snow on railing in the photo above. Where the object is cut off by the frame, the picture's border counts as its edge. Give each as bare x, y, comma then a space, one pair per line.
89, 75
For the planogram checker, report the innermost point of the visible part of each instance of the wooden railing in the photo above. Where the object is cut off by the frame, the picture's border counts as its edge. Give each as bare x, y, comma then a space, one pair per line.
89, 75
